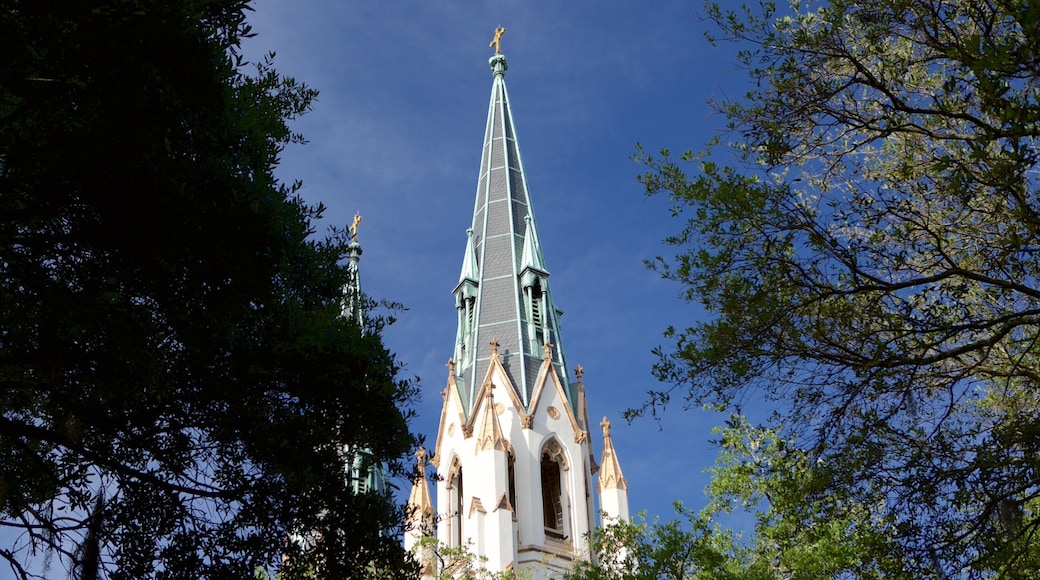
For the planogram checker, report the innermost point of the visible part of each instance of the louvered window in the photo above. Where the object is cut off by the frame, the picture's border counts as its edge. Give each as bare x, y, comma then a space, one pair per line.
553, 507
536, 307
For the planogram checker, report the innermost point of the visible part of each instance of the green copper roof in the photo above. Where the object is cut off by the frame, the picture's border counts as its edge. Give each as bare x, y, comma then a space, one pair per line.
503, 248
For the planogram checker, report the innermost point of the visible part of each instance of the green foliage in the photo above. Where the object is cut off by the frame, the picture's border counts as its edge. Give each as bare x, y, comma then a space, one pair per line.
460, 563
871, 260
800, 530
177, 391
641, 550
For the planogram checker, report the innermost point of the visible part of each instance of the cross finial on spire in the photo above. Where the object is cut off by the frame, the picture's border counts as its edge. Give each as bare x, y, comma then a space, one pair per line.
354, 227
605, 424
497, 41
547, 347
494, 346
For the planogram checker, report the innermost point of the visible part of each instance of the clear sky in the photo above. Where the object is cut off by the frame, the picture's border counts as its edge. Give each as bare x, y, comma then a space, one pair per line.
396, 135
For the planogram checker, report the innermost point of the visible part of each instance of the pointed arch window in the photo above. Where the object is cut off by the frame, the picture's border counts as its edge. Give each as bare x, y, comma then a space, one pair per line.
554, 497
456, 517
511, 474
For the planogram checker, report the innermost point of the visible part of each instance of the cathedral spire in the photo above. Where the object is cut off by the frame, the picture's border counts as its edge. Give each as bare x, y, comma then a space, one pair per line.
513, 456
365, 475
353, 303
503, 290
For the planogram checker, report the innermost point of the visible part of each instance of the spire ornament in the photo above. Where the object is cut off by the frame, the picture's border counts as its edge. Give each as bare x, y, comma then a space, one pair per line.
610, 476
354, 227
420, 503
491, 436
497, 41
498, 60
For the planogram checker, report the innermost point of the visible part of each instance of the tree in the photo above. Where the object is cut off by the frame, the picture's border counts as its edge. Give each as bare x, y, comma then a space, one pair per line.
460, 563
178, 393
686, 549
870, 257
800, 531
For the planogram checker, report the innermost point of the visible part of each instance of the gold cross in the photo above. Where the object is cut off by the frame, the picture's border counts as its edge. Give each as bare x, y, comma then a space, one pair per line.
497, 41
353, 227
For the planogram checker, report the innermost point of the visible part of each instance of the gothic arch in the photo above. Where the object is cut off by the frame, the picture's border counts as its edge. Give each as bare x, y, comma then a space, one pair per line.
551, 446
555, 498
456, 503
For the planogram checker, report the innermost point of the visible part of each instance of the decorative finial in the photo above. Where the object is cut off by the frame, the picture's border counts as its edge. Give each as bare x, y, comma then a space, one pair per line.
547, 347
451, 365
605, 424
494, 346
497, 41
354, 226
579, 371
420, 455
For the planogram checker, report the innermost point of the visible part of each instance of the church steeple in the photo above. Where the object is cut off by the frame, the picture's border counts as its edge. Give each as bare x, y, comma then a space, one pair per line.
353, 304
364, 475
513, 454
503, 292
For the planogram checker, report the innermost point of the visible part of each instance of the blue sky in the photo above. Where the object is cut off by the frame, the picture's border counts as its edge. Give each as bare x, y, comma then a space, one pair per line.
396, 135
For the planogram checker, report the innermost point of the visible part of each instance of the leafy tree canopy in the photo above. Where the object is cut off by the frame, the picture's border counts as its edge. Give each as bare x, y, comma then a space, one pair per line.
178, 393
799, 530
871, 258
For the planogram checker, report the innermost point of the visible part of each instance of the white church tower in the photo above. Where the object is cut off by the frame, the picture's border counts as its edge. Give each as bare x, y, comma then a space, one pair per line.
513, 450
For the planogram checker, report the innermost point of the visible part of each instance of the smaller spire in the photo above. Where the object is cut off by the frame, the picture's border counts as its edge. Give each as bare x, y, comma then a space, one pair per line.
491, 436
421, 516
610, 476
531, 255
470, 271
583, 409
419, 498
613, 489
353, 301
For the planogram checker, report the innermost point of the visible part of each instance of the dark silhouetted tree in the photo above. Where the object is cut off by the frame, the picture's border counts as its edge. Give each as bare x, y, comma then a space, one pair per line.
177, 389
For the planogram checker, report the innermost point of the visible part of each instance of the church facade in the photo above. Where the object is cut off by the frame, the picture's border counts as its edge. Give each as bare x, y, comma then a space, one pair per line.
518, 484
